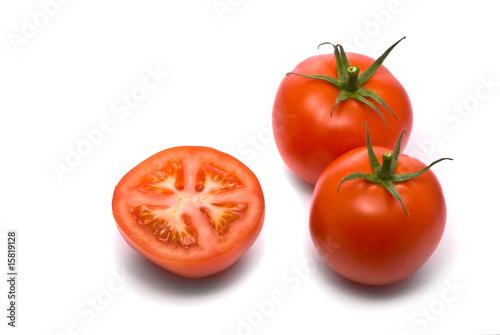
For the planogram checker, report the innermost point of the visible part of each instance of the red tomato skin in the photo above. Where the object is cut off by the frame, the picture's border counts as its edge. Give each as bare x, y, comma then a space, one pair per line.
308, 139
199, 268
194, 263
362, 232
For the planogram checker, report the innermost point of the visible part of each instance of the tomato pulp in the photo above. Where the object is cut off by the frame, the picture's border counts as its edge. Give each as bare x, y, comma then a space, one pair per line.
192, 210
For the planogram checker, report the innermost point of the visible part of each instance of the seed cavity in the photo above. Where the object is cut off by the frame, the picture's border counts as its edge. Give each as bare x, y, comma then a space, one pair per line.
167, 226
167, 180
172, 224
212, 180
221, 215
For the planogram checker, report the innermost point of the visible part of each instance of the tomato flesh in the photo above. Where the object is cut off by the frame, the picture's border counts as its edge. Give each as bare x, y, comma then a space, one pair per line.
192, 210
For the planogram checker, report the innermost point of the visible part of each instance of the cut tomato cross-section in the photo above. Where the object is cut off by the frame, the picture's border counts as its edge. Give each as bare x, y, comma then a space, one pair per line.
192, 210
166, 225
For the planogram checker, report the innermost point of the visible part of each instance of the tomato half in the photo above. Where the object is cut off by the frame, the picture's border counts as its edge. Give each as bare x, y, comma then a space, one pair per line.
309, 138
362, 231
192, 210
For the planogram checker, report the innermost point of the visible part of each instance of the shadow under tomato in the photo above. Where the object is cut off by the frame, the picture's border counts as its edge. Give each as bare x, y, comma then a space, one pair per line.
383, 292
303, 186
435, 268
156, 278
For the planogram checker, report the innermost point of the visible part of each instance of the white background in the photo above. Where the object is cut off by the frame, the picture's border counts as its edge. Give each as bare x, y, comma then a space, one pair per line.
65, 69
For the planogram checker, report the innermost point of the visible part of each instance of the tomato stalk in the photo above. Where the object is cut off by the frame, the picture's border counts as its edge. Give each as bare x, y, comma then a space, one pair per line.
350, 82
384, 174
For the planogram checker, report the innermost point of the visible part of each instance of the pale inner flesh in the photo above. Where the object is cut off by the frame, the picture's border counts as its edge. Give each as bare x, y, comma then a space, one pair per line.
207, 195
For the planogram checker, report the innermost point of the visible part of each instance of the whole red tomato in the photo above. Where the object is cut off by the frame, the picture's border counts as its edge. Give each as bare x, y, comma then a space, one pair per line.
310, 133
375, 224
192, 210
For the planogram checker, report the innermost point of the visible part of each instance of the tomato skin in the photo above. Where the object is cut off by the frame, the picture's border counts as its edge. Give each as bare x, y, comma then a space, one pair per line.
198, 268
214, 252
308, 138
362, 231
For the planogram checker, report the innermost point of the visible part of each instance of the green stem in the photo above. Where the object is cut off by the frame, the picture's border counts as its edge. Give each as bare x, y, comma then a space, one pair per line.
385, 172
352, 81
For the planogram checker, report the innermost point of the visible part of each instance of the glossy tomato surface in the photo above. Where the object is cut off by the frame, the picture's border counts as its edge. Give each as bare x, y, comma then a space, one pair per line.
362, 231
192, 210
308, 138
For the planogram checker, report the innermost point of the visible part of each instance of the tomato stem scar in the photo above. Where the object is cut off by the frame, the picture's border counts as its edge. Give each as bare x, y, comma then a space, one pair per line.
350, 82
384, 174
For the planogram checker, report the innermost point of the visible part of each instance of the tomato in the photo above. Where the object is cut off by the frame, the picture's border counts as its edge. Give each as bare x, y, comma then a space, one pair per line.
362, 231
309, 135
192, 210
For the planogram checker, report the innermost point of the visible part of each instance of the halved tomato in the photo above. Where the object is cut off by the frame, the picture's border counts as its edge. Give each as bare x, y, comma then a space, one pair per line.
192, 210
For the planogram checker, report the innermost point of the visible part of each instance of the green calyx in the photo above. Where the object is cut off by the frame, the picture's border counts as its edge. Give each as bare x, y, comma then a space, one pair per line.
350, 82
384, 174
